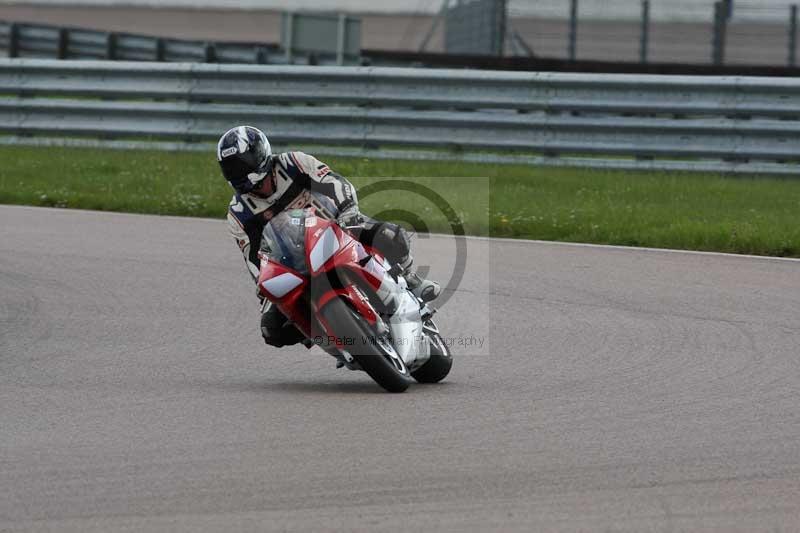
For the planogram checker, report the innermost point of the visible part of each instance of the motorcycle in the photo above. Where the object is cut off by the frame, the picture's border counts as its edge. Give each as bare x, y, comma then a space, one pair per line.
346, 298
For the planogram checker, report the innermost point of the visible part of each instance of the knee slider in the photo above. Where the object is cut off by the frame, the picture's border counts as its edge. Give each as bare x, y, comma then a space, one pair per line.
277, 331
271, 327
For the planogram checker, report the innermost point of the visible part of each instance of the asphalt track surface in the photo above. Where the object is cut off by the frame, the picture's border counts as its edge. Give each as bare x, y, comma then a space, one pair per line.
618, 390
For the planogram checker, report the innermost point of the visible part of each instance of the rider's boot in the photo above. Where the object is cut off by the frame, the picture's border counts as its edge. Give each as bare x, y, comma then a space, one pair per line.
424, 289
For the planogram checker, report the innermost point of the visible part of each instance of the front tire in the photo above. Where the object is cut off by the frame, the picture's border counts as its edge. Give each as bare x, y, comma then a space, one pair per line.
372, 353
439, 364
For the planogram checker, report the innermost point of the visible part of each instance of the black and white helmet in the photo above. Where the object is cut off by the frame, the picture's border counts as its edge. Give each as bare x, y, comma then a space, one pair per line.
244, 153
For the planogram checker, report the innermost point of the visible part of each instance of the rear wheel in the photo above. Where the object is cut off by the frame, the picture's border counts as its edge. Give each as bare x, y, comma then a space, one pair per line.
441, 360
375, 354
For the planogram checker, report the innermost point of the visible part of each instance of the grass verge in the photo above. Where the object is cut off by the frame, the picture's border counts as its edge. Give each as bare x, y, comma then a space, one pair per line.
753, 215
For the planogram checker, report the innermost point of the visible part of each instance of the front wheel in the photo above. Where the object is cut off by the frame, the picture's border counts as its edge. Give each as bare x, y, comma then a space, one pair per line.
376, 355
441, 360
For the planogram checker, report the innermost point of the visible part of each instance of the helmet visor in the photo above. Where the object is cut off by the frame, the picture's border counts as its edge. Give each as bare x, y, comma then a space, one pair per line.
240, 175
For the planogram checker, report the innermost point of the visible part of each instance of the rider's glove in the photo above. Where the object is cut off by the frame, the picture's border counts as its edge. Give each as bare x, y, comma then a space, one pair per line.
349, 217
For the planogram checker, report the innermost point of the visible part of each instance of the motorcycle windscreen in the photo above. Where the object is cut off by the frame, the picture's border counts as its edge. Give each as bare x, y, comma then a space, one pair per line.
283, 240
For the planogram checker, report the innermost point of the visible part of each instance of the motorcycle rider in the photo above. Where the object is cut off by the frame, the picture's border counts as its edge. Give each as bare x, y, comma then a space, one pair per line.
267, 184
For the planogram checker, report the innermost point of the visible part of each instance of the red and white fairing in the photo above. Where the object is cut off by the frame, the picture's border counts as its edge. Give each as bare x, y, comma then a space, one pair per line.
329, 248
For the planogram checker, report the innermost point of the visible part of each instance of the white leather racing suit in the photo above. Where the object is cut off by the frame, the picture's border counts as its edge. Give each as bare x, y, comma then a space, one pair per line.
295, 174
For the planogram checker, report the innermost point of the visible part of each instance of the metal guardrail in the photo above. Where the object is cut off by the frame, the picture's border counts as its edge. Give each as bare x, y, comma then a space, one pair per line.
730, 124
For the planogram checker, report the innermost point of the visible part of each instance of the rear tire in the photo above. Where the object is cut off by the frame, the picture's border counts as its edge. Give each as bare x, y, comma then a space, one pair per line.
440, 363
366, 349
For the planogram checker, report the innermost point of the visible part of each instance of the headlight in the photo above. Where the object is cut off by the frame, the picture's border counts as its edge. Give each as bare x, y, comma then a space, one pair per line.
326, 246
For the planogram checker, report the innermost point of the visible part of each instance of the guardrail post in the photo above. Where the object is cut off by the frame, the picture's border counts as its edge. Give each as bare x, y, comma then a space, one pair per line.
62, 52
210, 53
793, 35
161, 49
340, 39
262, 58
573, 29
721, 10
13, 40
289, 36
645, 31
111, 46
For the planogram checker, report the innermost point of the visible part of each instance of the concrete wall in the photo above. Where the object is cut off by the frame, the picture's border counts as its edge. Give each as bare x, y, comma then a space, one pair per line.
749, 42
661, 10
